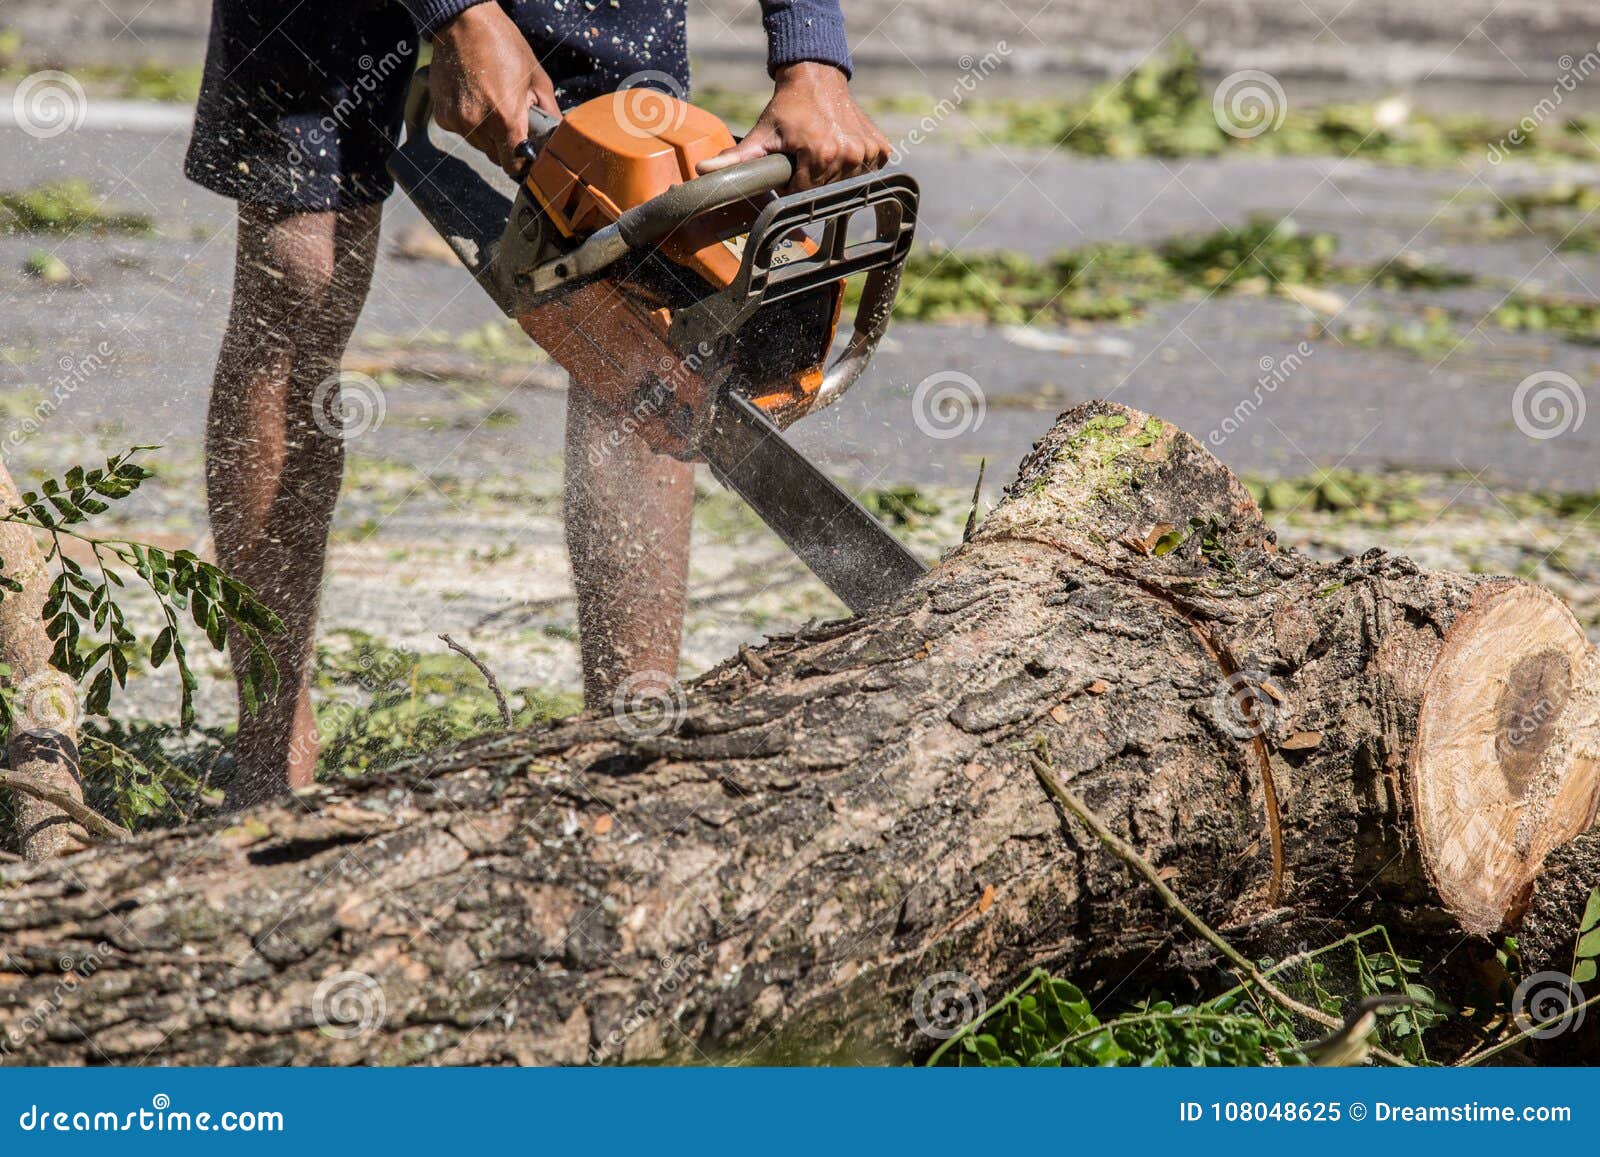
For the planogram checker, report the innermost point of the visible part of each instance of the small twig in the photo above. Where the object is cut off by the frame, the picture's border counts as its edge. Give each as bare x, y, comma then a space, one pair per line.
993, 1010
977, 496
91, 820
1522, 1034
488, 677
1130, 856
203, 786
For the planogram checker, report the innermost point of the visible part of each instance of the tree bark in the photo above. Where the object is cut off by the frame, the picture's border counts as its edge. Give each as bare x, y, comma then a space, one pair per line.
825, 837
43, 747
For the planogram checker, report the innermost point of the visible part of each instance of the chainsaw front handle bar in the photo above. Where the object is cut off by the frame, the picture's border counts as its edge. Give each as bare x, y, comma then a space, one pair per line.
652, 222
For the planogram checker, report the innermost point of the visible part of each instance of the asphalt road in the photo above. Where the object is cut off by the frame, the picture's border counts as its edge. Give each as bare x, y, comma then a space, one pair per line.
156, 306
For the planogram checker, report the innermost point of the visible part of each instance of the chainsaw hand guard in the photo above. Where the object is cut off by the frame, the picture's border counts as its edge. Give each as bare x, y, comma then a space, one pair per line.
890, 199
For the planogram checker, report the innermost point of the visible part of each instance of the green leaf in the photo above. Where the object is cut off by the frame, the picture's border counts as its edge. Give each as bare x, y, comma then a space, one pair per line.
161, 648
216, 632
99, 699
1588, 947
1591, 914
65, 508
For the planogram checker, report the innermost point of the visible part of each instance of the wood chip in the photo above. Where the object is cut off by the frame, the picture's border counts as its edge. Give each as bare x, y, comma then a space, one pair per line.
1098, 687
1319, 301
423, 243
1060, 713
602, 825
1271, 688
986, 901
1301, 741
758, 666
1146, 542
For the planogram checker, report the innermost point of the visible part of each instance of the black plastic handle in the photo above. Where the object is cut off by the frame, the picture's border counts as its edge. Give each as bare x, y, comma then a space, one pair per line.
419, 112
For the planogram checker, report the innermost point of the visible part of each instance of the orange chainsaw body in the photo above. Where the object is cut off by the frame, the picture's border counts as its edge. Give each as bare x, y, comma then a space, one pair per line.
613, 333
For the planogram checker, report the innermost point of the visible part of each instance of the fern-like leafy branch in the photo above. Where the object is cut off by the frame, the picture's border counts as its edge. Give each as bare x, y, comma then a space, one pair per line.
93, 642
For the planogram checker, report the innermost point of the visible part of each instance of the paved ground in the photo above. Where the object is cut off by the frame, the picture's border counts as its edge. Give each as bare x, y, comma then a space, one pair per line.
450, 520
158, 302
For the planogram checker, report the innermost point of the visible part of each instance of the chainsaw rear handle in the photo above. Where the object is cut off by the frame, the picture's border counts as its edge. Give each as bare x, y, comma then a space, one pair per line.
419, 113
637, 228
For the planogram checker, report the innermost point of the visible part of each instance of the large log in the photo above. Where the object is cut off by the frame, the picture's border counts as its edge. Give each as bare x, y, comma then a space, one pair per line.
786, 863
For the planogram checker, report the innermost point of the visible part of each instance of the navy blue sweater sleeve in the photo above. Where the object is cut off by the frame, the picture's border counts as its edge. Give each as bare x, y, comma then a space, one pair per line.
429, 14
796, 29
805, 30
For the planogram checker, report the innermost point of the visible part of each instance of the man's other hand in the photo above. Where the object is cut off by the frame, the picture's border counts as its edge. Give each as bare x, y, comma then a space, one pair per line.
483, 79
814, 119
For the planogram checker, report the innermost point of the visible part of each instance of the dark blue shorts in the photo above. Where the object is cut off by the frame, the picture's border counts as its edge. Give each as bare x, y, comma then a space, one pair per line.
301, 101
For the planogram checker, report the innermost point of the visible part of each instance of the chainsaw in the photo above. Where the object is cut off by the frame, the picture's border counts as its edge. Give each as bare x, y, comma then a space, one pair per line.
700, 310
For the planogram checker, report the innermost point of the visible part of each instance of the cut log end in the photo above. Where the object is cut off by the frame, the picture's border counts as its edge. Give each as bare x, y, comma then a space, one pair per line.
1506, 766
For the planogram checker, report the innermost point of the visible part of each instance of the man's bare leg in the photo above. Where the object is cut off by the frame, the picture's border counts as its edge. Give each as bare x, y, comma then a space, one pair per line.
272, 469
627, 514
